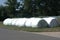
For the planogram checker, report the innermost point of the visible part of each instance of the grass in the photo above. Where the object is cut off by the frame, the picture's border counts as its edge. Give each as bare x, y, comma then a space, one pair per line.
55, 29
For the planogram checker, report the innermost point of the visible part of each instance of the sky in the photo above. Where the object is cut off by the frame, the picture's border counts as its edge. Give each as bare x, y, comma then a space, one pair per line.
3, 1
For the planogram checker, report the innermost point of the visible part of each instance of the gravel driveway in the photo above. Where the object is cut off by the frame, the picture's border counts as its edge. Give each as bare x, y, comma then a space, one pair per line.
52, 34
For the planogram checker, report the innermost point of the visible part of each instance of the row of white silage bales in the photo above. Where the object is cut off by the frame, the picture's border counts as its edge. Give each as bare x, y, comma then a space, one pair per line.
35, 22
32, 22
15, 21
25, 22
52, 21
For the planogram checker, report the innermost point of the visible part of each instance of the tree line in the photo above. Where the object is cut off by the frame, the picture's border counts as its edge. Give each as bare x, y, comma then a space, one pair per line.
29, 8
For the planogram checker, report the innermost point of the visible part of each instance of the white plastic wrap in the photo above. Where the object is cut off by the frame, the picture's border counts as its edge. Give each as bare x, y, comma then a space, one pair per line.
52, 22
28, 22
7, 21
21, 22
14, 21
38, 22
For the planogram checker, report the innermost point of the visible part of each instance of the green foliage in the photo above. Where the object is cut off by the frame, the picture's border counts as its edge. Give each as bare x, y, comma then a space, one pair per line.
30, 8
12, 6
3, 14
50, 7
43, 7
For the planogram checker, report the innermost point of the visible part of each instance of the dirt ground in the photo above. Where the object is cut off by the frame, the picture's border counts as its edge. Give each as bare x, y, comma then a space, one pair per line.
52, 34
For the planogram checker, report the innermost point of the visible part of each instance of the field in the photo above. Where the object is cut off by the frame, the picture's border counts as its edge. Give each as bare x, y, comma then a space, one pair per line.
55, 29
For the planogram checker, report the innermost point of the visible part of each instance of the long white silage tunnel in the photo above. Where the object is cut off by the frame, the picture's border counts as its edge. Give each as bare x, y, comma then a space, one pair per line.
20, 22
38, 22
52, 22
7, 21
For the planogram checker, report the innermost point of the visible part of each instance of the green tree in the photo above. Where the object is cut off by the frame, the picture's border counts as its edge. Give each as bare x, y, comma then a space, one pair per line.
31, 8
27, 8
49, 7
3, 13
11, 7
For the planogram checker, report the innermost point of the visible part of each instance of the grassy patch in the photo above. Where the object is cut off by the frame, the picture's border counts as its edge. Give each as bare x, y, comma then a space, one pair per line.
56, 29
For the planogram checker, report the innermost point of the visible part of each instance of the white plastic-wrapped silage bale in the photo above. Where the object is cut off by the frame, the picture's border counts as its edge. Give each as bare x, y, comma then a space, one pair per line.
14, 21
28, 22
7, 21
20, 22
52, 22
38, 22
